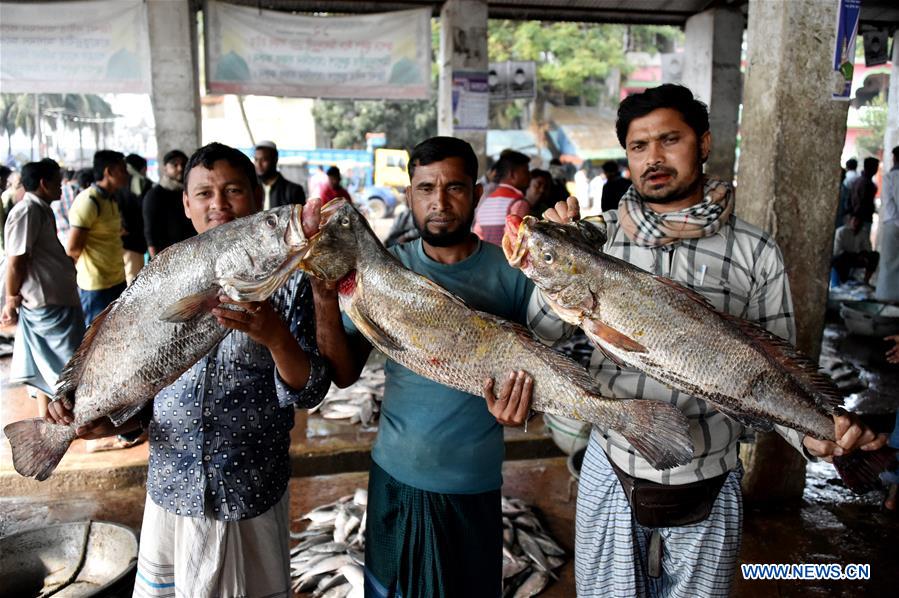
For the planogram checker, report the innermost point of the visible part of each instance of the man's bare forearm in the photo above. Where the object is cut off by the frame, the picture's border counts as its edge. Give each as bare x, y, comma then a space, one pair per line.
346, 359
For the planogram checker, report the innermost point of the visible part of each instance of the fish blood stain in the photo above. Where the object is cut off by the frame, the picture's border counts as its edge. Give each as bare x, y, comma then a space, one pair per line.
347, 284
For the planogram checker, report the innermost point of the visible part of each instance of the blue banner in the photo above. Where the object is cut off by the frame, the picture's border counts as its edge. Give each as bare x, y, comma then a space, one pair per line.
848, 13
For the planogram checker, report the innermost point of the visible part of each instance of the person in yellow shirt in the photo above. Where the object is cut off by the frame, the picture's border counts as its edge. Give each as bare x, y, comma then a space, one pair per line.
95, 239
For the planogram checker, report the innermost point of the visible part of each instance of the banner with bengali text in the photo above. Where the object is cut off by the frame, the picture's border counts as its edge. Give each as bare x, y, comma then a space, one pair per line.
99, 46
263, 52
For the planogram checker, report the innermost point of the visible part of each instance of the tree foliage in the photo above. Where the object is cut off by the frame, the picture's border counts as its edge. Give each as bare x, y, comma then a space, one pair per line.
347, 121
874, 116
17, 112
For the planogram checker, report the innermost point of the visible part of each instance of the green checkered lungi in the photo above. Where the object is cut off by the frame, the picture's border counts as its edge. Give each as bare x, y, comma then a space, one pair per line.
421, 544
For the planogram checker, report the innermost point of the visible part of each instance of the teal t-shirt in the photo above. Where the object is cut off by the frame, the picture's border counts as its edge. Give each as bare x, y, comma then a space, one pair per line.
431, 436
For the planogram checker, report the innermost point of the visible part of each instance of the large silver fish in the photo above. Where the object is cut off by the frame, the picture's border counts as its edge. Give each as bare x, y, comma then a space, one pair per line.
161, 325
433, 333
674, 335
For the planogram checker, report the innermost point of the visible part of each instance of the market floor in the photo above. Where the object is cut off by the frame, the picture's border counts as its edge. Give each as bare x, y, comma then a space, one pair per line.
819, 530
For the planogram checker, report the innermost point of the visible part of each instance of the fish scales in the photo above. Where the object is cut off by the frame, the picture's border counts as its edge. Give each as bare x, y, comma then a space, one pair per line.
433, 333
681, 340
161, 325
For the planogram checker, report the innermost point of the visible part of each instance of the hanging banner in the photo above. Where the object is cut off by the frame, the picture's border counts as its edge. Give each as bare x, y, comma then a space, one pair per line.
100, 46
848, 12
263, 52
471, 100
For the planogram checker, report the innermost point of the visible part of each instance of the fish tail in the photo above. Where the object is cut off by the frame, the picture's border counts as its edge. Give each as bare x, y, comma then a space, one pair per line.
659, 432
860, 470
37, 446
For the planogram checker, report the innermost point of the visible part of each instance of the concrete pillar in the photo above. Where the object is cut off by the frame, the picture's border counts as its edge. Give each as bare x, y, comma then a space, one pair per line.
174, 70
463, 47
789, 180
712, 71
891, 136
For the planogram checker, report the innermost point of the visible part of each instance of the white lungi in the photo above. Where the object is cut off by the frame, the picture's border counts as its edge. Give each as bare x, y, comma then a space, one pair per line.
698, 560
196, 557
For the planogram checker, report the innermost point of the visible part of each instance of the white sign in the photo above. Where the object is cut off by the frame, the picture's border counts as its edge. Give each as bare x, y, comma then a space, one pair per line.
471, 100
101, 46
265, 52
512, 80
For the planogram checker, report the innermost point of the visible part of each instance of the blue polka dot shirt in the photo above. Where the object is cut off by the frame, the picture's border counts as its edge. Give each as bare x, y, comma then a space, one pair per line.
221, 432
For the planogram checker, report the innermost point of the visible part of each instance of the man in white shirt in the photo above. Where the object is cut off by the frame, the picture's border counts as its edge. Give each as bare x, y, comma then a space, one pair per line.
888, 279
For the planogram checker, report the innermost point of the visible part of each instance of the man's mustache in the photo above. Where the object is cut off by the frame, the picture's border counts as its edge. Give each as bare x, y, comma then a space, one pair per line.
656, 170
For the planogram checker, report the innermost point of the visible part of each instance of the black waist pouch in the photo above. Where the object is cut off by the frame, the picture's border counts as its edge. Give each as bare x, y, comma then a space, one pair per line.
661, 505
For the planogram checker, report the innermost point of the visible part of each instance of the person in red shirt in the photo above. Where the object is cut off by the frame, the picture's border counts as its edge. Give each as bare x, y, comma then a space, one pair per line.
514, 176
333, 189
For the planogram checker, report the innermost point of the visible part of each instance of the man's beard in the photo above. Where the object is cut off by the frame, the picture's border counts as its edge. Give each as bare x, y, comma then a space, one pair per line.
445, 238
678, 193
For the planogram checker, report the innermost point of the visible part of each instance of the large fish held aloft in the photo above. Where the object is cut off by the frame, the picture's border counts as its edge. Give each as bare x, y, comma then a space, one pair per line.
435, 334
672, 333
161, 325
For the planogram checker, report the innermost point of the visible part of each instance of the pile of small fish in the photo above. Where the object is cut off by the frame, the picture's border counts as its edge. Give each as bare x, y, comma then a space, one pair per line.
359, 403
530, 556
329, 556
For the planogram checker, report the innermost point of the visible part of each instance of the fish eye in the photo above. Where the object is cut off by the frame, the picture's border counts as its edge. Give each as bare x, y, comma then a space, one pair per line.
548, 257
345, 221
271, 221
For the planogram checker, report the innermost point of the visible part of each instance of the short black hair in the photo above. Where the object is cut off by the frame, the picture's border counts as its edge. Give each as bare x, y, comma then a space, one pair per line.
611, 167
104, 159
333, 171
136, 162
173, 155
541, 174
437, 149
35, 172
4, 173
85, 178
896, 153
508, 161
676, 97
211, 153
851, 164
871, 165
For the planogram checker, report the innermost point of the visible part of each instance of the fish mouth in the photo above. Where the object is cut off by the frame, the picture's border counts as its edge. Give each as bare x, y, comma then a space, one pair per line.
330, 209
514, 240
294, 236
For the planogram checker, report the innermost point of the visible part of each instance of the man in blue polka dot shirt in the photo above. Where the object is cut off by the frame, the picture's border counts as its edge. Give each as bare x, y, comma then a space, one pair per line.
216, 519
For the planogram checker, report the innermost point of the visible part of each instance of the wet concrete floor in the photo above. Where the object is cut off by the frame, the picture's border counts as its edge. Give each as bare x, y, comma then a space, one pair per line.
829, 525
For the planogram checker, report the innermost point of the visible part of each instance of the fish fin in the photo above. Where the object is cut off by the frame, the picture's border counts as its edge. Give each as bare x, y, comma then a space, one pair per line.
374, 332
241, 289
659, 432
599, 344
613, 337
801, 369
122, 415
749, 421
70, 376
860, 470
190, 307
684, 291
37, 446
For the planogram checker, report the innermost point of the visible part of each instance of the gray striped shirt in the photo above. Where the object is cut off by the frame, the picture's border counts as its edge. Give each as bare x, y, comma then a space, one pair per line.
740, 270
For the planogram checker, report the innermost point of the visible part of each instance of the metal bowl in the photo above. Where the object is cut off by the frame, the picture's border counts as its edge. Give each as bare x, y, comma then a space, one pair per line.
69, 559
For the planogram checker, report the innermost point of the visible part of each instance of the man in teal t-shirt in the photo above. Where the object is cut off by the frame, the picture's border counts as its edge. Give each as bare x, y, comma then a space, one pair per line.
434, 524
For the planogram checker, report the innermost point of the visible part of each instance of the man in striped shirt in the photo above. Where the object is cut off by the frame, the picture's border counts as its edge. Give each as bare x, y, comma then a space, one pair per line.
514, 176
675, 223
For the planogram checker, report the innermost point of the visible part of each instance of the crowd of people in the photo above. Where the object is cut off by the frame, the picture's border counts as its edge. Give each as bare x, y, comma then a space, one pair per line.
854, 256
219, 463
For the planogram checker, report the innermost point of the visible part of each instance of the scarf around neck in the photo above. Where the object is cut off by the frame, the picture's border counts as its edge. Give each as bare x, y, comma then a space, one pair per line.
648, 228
171, 184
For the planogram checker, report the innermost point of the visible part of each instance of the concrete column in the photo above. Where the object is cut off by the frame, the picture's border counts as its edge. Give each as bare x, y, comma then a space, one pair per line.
174, 70
891, 136
789, 180
463, 46
712, 70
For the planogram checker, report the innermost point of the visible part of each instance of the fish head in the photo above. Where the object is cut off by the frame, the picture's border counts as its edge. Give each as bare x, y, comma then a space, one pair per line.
556, 257
334, 250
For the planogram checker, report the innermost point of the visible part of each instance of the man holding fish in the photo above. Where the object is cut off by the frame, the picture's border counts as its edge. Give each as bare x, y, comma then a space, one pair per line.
434, 522
678, 225
216, 516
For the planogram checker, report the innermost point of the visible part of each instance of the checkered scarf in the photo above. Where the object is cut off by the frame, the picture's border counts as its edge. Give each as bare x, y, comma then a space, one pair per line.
648, 228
